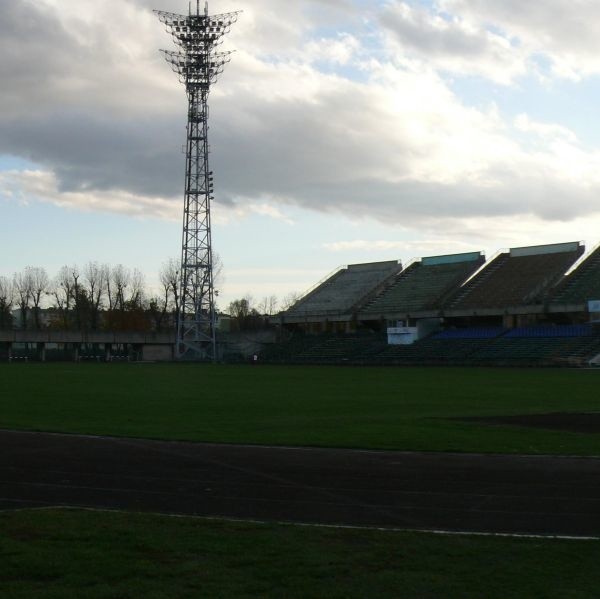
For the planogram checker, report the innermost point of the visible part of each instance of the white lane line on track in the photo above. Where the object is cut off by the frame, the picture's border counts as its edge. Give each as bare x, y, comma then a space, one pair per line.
458, 533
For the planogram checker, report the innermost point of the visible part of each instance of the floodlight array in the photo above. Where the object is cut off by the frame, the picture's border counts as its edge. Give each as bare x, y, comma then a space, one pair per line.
196, 71
197, 35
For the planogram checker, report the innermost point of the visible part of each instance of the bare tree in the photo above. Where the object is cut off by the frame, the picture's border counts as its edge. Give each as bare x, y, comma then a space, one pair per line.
95, 280
128, 308
170, 273
61, 291
290, 299
6, 291
6, 302
242, 308
78, 294
39, 287
81, 295
272, 305
169, 298
218, 276
268, 305
120, 278
136, 288
108, 284
245, 316
169, 279
261, 307
23, 286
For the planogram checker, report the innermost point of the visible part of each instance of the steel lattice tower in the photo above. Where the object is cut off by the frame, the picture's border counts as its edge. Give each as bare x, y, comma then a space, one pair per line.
198, 65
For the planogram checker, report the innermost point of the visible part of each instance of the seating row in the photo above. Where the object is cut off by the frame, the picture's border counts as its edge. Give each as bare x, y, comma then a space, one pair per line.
373, 349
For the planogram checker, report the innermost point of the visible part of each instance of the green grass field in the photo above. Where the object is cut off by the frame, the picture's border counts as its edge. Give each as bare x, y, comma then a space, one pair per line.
68, 553
381, 408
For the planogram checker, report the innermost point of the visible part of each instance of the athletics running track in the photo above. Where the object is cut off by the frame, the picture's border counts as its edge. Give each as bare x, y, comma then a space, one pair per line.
402, 490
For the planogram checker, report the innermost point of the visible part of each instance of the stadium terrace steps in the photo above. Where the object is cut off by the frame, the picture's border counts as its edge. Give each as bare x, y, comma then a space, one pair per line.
532, 351
424, 284
345, 289
324, 349
479, 280
432, 351
565, 330
287, 351
522, 276
471, 333
583, 284
527, 346
341, 349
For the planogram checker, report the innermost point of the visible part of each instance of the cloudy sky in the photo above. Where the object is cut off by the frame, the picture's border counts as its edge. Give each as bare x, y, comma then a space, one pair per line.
343, 131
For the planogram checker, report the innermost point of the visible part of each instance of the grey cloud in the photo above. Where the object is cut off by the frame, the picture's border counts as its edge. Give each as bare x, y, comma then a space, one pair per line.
334, 151
89, 152
48, 116
448, 44
417, 32
565, 31
58, 109
309, 155
34, 46
572, 22
297, 146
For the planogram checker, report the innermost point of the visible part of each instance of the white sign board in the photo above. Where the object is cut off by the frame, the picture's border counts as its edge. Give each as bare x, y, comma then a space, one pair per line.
594, 306
401, 335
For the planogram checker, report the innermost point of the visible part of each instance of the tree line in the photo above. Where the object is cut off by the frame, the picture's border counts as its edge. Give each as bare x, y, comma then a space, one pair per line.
92, 297
248, 314
98, 296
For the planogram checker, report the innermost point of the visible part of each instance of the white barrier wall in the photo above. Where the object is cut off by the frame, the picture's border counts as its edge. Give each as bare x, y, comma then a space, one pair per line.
401, 335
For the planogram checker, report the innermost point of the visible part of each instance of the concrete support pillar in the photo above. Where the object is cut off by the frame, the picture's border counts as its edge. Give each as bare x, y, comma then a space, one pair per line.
10, 352
76, 352
41, 347
107, 352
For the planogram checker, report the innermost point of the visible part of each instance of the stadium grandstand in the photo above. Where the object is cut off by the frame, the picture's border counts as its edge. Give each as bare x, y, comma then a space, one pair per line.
422, 286
582, 285
338, 297
520, 277
551, 345
528, 306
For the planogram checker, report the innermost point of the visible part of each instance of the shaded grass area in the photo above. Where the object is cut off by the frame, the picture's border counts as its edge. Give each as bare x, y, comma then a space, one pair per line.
69, 553
379, 408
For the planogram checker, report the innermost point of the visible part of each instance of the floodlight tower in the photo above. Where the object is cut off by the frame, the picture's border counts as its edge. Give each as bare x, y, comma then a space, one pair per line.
198, 65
